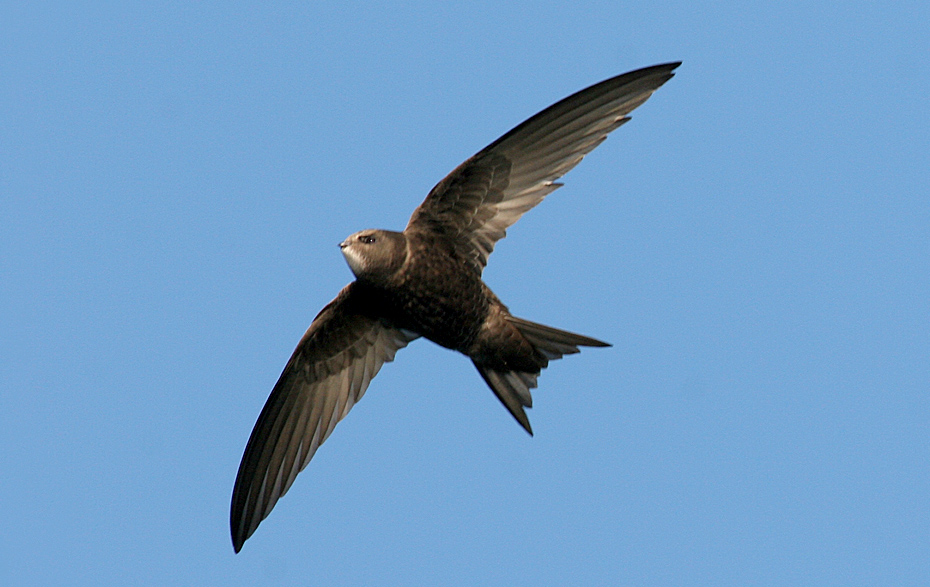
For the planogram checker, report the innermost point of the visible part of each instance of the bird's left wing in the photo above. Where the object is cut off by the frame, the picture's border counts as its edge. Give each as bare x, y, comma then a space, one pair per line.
490, 191
329, 371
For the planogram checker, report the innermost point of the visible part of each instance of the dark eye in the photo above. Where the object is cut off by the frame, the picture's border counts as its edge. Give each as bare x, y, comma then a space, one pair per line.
366, 238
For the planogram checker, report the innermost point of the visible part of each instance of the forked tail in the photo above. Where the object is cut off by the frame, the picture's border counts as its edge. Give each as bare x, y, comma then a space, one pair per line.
512, 388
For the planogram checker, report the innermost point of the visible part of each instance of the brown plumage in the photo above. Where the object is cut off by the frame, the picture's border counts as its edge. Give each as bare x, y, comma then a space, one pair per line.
426, 281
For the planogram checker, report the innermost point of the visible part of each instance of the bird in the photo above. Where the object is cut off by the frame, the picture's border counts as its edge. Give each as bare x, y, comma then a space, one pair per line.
426, 281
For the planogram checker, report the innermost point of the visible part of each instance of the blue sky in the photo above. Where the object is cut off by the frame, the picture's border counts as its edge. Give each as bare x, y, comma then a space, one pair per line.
174, 179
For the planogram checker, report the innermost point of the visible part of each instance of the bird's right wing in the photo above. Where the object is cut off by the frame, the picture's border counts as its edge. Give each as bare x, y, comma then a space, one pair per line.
476, 203
329, 371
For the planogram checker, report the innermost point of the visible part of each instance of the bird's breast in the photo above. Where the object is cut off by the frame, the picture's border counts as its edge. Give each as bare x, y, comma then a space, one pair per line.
439, 297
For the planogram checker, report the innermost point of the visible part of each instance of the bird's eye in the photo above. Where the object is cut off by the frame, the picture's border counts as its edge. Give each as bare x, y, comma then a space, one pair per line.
366, 239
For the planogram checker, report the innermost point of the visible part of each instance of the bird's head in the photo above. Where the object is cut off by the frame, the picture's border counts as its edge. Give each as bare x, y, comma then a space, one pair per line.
375, 254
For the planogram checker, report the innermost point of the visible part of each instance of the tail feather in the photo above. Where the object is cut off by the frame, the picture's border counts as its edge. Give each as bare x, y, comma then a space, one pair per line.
552, 342
512, 388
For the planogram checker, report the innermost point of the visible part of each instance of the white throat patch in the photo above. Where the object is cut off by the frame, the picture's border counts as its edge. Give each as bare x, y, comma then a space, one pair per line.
355, 261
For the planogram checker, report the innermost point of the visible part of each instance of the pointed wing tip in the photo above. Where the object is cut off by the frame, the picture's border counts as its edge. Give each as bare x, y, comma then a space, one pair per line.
238, 538
593, 342
670, 66
237, 542
663, 71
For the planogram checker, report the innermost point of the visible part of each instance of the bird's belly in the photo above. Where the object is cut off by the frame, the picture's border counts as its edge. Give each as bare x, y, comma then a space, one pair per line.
449, 314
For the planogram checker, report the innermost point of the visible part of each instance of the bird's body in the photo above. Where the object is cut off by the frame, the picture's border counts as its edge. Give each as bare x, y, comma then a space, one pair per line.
420, 283
427, 282
431, 291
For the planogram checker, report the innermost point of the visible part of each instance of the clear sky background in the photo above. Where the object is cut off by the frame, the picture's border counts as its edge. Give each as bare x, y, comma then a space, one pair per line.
174, 179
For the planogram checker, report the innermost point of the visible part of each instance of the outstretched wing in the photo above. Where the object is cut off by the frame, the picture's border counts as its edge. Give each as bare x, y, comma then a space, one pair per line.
329, 371
476, 203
